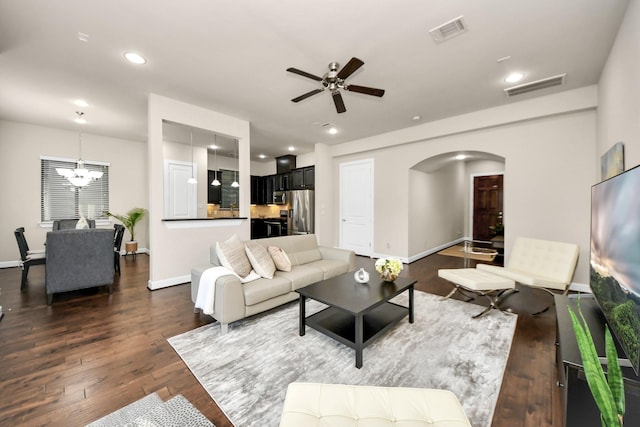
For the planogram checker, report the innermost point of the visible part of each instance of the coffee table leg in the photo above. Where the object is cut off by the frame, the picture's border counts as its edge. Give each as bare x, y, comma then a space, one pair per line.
411, 304
359, 341
302, 316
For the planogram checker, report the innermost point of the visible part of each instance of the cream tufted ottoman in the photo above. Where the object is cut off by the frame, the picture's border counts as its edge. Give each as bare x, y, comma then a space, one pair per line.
337, 405
488, 285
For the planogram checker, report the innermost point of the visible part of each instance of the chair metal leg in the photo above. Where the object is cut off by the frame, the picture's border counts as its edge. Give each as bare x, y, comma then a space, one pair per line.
25, 273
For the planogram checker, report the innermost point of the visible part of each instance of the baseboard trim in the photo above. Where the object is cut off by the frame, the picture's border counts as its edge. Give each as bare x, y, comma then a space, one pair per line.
165, 283
437, 249
8, 264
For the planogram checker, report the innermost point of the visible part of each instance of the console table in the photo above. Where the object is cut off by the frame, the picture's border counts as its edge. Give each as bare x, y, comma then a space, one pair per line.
580, 409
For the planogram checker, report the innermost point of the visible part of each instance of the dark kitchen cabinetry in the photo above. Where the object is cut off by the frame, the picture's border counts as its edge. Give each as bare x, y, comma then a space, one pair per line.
214, 193
269, 185
281, 182
268, 227
303, 178
258, 193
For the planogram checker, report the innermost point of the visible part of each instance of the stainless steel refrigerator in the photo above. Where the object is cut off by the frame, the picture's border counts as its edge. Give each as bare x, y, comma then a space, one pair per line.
301, 212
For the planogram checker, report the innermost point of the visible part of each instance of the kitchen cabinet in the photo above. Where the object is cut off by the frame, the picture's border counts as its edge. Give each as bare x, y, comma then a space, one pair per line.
258, 194
269, 185
303, 178
268, 227
281, 182
214, 193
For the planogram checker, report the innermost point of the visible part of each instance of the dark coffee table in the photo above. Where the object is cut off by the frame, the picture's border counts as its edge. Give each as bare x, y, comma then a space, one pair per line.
357, 313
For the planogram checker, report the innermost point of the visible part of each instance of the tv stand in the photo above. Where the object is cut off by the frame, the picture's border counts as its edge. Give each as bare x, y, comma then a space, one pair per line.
580, 409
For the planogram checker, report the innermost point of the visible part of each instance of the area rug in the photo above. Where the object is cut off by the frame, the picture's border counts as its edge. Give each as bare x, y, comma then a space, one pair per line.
152, 411
247, 370
458, 251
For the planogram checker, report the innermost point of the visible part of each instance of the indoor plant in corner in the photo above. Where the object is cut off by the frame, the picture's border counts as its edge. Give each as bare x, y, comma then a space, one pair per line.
129, 220
607, 391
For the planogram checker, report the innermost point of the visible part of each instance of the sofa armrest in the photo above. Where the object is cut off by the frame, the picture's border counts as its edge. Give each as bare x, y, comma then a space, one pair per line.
229, 304
338, 254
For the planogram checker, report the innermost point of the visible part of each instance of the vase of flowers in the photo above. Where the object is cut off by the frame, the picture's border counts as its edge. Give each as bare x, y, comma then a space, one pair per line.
389, 268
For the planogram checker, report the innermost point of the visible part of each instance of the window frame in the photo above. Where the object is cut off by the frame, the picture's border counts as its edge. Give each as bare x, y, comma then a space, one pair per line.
97, 194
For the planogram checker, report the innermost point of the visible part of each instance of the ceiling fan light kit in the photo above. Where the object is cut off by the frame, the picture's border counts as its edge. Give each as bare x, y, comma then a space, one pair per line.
334, 81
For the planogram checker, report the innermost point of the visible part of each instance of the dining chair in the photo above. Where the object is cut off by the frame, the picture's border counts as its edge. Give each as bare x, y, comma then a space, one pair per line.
27, 257
117, 244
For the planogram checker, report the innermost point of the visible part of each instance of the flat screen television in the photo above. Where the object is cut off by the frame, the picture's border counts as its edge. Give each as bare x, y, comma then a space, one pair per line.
615, 258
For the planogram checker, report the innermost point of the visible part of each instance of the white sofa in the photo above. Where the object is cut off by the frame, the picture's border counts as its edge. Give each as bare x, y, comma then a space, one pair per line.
310, 262
338, 405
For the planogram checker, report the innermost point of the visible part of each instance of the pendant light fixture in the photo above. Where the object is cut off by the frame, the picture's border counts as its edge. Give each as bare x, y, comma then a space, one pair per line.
80, 176
192, 180
215, 181
235, 184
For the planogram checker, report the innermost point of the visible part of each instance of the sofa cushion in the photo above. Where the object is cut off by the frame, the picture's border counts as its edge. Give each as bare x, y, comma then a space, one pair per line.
263, 289
280, 258
260, 259
232, 255
330, 267
305, 256
302, 275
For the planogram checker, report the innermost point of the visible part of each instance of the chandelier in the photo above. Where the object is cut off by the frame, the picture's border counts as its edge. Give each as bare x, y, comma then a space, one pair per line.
80, 176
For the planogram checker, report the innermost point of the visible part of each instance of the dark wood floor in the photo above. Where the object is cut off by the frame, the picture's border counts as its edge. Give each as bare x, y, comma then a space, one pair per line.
90, 353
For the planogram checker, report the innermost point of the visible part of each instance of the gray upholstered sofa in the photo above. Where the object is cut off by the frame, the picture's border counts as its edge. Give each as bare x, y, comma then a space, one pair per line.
78, 259
310, 262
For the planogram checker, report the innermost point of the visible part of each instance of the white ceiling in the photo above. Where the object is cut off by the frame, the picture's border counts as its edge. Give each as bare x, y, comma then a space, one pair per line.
231, 56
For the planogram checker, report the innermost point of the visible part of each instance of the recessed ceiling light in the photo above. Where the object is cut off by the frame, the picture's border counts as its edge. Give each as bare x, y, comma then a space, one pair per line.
292, 148
333, 131
262, 156
514, 77
461, 157
135, 58
213, 147
416, 117
81, 103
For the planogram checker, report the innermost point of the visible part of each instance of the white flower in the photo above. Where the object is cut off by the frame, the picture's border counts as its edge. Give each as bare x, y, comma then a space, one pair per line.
391, 264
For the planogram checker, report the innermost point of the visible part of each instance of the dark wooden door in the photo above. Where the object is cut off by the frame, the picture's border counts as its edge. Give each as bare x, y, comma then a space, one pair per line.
487, 206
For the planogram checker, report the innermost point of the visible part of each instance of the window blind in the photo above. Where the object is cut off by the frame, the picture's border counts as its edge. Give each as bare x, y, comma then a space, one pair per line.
61, 200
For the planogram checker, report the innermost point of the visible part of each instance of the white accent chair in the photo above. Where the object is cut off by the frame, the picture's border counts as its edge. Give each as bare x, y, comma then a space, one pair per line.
542, 264
339, 405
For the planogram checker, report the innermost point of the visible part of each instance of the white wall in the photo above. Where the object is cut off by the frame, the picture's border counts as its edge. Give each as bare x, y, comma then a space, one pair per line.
178, 246
21, 146
548, 145
436, 208
619, 92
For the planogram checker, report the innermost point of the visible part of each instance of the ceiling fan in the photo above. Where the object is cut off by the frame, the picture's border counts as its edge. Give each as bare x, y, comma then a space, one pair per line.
334, 80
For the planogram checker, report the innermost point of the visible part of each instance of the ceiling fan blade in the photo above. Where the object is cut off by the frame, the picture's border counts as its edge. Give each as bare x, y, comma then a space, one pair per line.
306, 95
366, 90
337, 99
304, 74
353, 64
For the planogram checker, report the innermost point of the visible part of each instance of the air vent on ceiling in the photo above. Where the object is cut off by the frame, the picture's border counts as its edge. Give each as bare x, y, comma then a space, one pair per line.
448, 29
537, 85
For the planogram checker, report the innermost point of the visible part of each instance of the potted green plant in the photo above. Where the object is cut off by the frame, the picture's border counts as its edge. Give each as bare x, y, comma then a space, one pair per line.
607, 390
129, 220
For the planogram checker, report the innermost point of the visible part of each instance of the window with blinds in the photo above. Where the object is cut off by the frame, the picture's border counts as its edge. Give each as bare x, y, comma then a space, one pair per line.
61, 200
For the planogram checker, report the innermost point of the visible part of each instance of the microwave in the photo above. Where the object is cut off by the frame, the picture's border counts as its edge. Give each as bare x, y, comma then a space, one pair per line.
280, 197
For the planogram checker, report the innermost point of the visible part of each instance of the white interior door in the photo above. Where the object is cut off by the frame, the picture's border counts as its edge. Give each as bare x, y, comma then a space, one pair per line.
356, 206
180, 199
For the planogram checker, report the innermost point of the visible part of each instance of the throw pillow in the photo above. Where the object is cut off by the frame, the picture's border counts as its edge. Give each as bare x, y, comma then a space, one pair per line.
260, 259
232, 255
280, 258
82, 223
